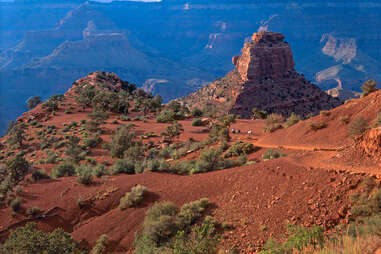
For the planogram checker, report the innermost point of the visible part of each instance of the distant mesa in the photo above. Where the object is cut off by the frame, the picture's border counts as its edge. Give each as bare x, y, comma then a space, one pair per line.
264, 77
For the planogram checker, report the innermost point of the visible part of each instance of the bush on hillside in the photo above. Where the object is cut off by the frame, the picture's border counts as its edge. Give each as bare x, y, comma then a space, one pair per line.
271, 154
39, 175
273, 122
358, 127
28, 239
317, 126
259, 114
292, 120
198, 122
133, 198
240, 148
64, 169
368, 87
121, 141
123, 167
33, 102
101, 245
166, 230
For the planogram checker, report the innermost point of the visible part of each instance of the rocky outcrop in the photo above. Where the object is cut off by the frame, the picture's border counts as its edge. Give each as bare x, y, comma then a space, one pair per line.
370, 143
267, 55
264, 78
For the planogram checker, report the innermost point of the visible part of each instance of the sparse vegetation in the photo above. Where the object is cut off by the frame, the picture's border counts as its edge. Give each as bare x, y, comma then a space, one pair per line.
315, 126
368, 87
66, 168
101, 245
39, 175
132, 198
358, 127
273, 123
272, 154
16, 204
121, 141
28, 239
292, 120
165, 229
325, 113
33, 102
198, 122
240, 148
259, 114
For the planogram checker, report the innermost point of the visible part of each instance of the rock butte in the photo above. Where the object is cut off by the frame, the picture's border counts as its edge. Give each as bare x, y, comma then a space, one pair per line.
264, 77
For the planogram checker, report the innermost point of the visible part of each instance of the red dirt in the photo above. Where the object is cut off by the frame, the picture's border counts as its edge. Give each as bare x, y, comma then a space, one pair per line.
308, 187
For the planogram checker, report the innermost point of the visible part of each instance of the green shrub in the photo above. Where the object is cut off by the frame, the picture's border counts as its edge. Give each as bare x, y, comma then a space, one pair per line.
165, 230
17, 167
272, 154
368, 87
123, 167
32, 211
219, 132
158, 226
98, 115
240, 148
73, 149
132, 198
92, 141
100, 170
39, 175
191, 212
201, 240
358, 127
85, 179
33, 102
298, 238
198, 122
101, 245
59, 144
325, 113
121, 141
28, 239
16, 204
125, 118
258, 114
166, 116
273, 123
65, 169
210, 159
317, 126
196, 112
292, 120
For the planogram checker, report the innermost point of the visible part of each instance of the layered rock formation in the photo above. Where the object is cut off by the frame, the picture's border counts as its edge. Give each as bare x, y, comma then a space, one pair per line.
370, 143
264, 78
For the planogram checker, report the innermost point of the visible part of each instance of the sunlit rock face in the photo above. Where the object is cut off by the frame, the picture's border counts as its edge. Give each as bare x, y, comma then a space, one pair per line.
267, 55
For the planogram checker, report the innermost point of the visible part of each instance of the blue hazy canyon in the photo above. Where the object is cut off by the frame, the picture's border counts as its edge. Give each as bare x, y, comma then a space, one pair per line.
174, 47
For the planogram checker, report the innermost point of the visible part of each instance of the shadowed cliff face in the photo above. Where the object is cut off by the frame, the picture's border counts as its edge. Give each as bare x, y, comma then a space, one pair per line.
187, 43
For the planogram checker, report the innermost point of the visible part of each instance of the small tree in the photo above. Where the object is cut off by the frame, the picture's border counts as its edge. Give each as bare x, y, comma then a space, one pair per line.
121, 141
73, 149
16, 135
358, 127
173, 130
259, 114
368, 87
17, 167
33, 102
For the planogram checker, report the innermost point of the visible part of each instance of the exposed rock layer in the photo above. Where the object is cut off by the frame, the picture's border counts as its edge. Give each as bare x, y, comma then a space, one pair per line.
264, 78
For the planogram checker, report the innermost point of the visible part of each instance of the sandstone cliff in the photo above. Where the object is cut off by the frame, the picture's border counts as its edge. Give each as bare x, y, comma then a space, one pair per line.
264, 77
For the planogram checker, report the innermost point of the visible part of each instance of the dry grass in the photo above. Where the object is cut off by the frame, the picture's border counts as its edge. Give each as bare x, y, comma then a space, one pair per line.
348, 245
